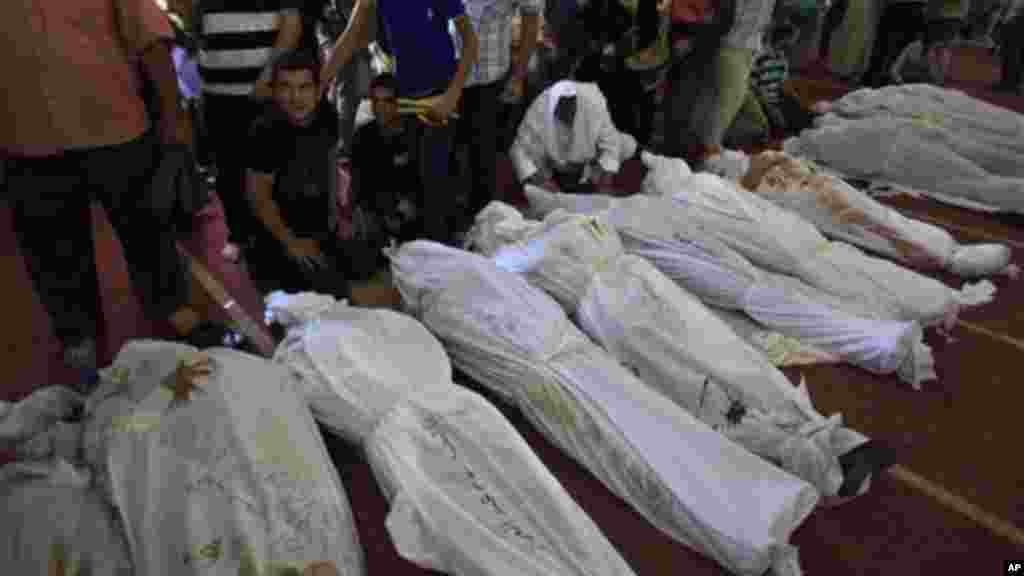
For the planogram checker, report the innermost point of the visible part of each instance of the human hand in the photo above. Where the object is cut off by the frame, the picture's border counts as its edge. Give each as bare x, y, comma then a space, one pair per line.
439, 109
306, 252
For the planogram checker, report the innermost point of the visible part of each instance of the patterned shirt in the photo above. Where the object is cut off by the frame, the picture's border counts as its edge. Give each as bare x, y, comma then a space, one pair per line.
768, 74
492, 21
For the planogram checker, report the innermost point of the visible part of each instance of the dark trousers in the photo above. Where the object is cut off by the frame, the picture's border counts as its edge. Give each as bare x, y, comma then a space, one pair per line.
833, 19
273, 269
50, 200
685, 80
1012, 52
228, 120
647, 20
431, 150
477, 131
900, 25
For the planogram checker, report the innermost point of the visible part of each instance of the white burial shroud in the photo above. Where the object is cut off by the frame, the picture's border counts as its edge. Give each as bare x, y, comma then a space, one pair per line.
845, 213
677, 346
661, 231
989, 135
468, 495
907, 154
686, 479
54, 519
233, 480
781, 241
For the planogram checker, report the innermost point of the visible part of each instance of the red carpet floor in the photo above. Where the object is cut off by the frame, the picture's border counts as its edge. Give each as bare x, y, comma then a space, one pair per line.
960, 433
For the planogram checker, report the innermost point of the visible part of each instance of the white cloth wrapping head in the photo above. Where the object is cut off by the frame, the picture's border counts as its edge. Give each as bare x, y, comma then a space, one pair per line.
678, 347
657, 229
686, 479
438, 451
233, 476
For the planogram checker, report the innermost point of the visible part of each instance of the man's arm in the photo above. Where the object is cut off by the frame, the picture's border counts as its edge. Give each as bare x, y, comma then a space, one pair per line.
470, 55
147, 34
355, 36
259, 188
159, 68
610, 142
528, 148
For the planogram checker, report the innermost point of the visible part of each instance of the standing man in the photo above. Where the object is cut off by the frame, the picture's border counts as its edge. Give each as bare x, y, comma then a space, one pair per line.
902, 23
1011, 50
478, 127
697, 30
723, 96
75, 128
428, 72
239, 43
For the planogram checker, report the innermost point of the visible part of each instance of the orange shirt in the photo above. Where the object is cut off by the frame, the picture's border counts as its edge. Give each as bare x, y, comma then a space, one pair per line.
71, 73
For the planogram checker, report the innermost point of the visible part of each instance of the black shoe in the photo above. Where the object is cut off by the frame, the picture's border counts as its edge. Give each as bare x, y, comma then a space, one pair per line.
1003, 87
864, 460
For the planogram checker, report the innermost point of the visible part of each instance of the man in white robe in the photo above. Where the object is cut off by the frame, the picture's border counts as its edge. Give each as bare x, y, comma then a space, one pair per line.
567, 141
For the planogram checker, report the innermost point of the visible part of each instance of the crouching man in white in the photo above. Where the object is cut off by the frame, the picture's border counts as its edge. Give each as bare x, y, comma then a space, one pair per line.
567, 141
468, 495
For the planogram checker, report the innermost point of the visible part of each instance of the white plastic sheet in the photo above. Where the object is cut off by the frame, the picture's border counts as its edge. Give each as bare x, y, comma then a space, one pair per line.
468, 494
685, 478
783, 242
36, 413
54, 523
900, 151
664, 233
678, 347
233, 480
991, 136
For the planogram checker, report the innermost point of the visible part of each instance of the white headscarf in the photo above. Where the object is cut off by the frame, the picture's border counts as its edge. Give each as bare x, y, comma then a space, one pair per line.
556, 92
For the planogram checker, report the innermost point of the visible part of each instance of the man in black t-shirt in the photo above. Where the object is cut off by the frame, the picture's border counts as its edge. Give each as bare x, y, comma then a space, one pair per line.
291, 182
383, 171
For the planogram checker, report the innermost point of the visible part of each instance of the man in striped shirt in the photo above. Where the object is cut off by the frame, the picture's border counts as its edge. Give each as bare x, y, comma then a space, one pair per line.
240, 41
